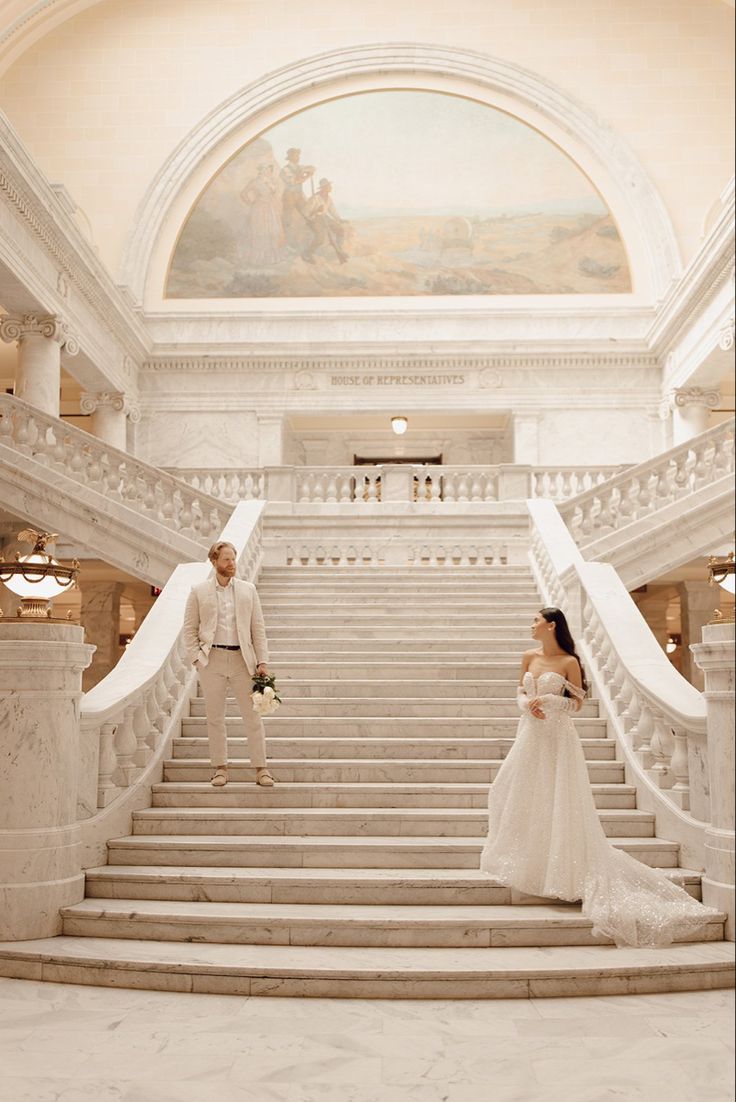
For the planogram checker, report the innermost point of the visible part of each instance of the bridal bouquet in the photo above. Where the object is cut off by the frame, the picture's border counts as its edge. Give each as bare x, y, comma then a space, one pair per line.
265, 697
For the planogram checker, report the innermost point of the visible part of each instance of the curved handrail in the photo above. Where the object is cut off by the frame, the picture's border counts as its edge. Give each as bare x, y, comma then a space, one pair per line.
658, 716
626, 497
126, 720
116, 474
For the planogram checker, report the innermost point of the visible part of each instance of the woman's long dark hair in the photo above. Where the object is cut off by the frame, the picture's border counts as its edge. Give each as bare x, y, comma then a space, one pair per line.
564, 638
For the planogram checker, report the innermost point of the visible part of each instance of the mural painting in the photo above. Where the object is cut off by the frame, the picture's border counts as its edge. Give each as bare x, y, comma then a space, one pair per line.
398, 193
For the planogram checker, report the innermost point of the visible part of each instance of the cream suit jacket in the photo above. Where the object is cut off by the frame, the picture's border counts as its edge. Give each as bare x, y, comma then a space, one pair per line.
200, 623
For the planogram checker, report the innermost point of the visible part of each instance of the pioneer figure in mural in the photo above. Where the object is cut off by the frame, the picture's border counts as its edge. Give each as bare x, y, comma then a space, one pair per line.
326, 227
293, 204
263, 244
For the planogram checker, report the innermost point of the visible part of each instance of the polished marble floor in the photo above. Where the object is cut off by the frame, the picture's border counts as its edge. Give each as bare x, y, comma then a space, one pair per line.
63, 1043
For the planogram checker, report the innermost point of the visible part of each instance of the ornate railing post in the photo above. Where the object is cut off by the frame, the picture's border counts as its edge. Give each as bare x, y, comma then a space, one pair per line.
715, 657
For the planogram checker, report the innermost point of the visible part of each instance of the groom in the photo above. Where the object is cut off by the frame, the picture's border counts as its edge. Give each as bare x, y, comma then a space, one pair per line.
225, 638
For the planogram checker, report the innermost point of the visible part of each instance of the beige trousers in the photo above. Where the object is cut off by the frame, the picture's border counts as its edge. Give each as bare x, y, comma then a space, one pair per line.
227, 667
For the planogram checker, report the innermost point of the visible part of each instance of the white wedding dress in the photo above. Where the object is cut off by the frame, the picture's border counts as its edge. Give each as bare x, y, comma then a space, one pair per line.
545, 837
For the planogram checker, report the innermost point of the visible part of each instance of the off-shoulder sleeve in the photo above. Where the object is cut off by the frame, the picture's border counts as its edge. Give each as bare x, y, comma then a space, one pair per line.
575, 690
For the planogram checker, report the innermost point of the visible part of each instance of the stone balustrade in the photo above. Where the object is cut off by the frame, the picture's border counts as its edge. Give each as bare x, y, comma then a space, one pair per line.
424, 483
115, 474
660, 720
637, 491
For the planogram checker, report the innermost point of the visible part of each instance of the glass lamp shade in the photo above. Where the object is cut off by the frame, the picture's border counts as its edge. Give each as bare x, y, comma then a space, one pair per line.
399, 425
728, 583
40, 584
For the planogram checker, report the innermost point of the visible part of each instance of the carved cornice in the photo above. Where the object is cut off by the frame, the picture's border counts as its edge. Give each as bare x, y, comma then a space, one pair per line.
50, 326
36, 204
710, 270
489, 366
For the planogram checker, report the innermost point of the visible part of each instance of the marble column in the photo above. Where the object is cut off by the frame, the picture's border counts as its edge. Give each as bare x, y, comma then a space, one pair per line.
142, 604
270, 439
653, 606
691, 406
100, 618
38, 370
110, 414
715, 657
698, 602
40, 691
526, 438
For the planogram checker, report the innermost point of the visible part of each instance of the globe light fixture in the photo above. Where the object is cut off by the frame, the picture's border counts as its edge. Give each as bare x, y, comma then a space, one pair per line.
673, 642
399, 425
37, 578
721, 572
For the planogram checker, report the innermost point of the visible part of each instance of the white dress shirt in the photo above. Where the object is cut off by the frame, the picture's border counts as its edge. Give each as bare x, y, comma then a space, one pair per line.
226, 632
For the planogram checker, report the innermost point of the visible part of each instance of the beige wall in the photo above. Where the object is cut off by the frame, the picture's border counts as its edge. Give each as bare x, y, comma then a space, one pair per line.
104, 98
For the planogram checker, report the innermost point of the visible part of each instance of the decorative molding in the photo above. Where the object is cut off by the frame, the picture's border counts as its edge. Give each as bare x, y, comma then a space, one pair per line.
726, 335
38, 207
50, 326
490, 366
320, 75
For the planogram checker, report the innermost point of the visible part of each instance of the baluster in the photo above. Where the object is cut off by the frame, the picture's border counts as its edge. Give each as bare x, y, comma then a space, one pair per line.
156, 721
347, 488
435, 484
723, 457
661, 746
106, 788
331, 489
701, 466
643, 734
6, 424
141, 731
126, 745
318, 488
475, 488
680, 769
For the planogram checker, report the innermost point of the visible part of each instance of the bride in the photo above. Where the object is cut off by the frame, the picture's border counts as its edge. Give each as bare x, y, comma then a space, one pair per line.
544, 834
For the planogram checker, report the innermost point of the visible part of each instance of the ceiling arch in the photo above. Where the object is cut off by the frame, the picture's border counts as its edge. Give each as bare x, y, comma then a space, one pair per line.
600, 152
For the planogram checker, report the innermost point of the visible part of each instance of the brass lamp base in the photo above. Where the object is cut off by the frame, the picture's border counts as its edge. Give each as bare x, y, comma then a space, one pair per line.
723, 617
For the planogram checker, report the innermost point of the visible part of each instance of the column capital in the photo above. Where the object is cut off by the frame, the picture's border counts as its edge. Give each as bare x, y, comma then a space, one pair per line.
109, 399
51, 326
687, 397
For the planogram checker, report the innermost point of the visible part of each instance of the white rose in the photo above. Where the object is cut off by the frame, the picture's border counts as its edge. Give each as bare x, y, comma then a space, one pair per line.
268, 692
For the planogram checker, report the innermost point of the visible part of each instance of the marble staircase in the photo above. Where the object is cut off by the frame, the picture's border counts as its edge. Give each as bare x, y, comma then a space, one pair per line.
357, 875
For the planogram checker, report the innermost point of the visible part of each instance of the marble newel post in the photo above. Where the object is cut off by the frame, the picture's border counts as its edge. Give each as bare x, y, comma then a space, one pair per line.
715, 657
38, 370
40, 690
100, 618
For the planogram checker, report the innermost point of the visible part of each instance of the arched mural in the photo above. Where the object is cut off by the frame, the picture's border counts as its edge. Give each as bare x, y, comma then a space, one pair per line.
398, 193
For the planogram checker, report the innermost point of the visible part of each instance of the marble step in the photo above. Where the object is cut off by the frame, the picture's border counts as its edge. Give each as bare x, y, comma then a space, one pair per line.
364, 770
430, 926
239, 794
365, 822
332, 972
433, 602
482, 634
369, 651
439, 750
363, 707
361, 572
499, 672
282, 724
477, 618
499, 697
417, 584
388, 886
335, 851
